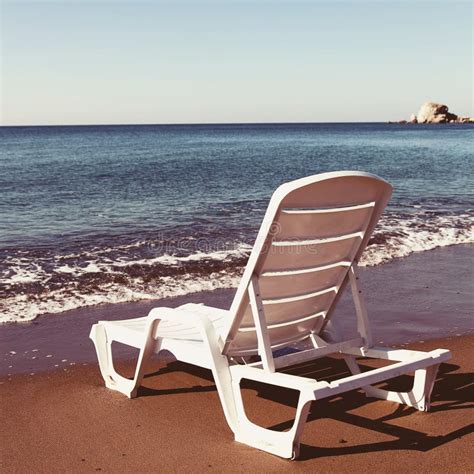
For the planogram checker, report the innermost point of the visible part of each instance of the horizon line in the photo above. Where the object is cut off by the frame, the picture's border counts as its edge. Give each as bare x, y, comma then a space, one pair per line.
189, 124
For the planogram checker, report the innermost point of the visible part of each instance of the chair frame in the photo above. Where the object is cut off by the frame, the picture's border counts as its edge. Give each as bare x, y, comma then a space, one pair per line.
212, 352
228, 374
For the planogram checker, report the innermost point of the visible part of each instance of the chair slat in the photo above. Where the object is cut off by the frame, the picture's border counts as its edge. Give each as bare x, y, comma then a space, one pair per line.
309, 223
311, 254
299, 271
292, 283
317, 241
291, 299
329, 210
284, 323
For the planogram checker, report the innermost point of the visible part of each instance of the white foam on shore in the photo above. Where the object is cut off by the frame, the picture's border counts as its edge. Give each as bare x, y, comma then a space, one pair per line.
410, 236
23, 274
219, 255
25, 309
408, 242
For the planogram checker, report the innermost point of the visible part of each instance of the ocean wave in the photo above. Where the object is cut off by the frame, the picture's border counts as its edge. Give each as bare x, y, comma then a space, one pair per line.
27, 290
218, 255
39, 284
25, 308
415, 235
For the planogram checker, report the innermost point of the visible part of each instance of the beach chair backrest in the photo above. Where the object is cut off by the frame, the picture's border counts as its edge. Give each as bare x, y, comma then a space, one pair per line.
313, 231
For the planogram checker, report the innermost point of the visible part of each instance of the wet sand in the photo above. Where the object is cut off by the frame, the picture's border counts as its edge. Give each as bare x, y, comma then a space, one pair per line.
425, 296
66, 421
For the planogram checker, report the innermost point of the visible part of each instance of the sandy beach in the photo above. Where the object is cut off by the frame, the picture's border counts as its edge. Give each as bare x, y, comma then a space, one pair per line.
68, 422
57, 416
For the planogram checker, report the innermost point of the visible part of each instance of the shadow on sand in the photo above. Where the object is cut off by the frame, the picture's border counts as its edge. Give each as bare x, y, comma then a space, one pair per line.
452, 391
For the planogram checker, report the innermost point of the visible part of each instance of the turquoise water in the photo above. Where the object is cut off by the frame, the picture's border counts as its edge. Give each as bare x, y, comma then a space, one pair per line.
117, 213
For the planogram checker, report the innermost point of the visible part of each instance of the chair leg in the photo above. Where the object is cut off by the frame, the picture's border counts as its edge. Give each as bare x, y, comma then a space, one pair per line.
113, 380
418, 397
423, 386
285, 444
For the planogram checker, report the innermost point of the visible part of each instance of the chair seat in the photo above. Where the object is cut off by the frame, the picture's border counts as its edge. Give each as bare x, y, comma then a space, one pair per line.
132, 331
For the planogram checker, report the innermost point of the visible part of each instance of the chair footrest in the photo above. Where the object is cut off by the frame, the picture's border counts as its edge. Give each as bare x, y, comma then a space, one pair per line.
414, 360
374, 376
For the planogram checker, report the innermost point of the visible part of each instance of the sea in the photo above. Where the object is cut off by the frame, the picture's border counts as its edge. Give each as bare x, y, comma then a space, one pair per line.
104, 214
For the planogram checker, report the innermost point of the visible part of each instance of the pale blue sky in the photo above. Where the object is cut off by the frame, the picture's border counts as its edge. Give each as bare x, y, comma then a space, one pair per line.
90, 62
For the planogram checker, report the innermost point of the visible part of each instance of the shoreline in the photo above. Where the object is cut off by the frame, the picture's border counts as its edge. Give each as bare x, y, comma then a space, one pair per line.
424, 296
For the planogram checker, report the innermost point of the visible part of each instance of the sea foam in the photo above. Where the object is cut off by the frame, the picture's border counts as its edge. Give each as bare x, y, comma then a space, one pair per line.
94, 278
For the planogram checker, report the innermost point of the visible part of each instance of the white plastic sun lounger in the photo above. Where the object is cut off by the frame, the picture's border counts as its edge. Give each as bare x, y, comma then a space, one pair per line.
307, 249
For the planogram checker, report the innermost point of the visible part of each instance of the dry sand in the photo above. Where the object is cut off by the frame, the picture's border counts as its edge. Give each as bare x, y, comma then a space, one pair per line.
66, 421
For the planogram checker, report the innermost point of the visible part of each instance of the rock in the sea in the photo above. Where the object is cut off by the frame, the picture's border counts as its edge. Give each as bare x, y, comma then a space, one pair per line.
431, 112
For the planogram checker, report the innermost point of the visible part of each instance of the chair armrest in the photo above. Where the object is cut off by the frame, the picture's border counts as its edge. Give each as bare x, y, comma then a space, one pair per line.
201, 321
